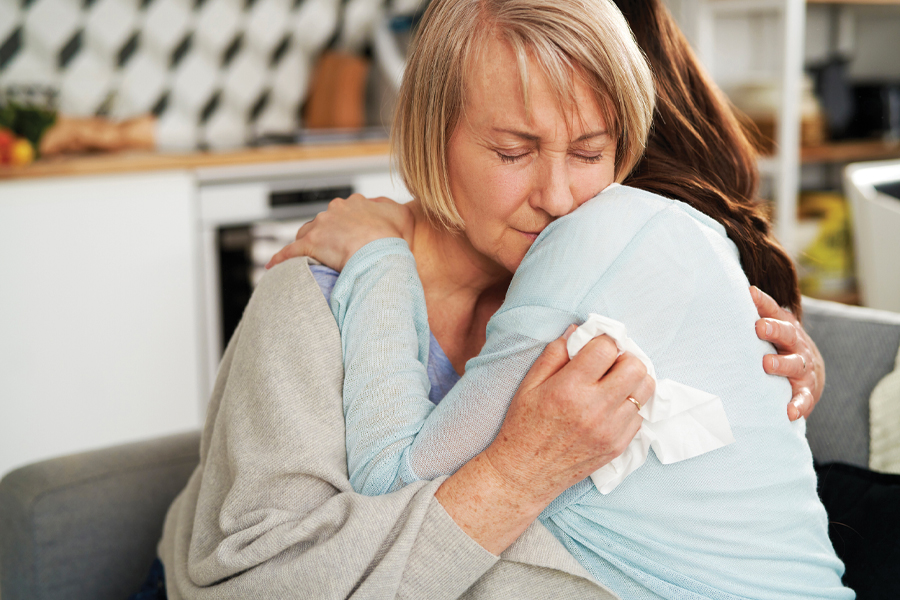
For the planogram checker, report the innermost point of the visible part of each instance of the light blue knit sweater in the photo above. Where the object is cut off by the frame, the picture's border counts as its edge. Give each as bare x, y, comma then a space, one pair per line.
742, 521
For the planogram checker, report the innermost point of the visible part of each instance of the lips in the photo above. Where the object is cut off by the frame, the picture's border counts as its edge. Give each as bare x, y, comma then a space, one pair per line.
531, 235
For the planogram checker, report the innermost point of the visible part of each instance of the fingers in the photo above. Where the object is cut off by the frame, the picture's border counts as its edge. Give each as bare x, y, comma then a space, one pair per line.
304, 229
766, 305
552, 359
292, 250
801, 404
645, 390
784, 335
624, 418
595, 359
792, 366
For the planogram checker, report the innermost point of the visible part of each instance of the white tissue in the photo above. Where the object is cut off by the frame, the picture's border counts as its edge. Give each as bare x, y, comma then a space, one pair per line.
680, 422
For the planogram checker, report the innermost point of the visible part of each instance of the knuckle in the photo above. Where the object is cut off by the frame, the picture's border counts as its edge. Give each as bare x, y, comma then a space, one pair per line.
606, 348
794, 336
633, 367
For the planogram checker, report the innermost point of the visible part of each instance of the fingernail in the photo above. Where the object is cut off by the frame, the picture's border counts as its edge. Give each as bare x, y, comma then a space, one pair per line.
569, 330
768, 328
775, 365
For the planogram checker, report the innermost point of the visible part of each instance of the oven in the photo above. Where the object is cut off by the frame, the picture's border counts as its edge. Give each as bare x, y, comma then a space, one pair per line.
247, 213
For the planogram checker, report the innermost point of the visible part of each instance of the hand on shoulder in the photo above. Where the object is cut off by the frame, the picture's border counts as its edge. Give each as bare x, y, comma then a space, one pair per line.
346, 226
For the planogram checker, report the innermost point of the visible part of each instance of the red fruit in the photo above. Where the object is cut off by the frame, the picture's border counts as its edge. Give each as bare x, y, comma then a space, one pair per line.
6, 142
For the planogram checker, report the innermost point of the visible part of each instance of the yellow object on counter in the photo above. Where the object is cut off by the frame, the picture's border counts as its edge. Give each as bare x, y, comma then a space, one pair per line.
21, 153
825, 264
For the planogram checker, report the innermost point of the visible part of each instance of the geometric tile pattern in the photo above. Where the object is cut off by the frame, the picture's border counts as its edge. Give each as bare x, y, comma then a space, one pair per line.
214, 71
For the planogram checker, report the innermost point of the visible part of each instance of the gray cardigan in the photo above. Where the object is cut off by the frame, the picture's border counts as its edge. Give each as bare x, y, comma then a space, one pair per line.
269, 512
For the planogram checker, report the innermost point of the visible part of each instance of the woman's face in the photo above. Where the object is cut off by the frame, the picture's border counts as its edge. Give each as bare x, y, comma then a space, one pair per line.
512, 175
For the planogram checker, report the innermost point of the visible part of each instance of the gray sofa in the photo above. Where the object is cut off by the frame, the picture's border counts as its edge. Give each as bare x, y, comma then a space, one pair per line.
85, 526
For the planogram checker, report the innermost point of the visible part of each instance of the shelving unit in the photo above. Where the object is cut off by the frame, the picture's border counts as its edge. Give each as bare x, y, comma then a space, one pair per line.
850, 151
783, 167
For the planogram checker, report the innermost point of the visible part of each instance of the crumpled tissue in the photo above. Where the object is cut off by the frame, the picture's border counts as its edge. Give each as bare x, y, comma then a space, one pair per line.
680, 422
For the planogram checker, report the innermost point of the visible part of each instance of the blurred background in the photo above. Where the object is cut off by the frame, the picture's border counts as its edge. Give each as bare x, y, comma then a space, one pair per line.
154, 154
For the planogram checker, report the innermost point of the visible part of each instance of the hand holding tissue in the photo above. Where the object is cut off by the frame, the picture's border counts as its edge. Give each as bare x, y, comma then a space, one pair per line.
680, 422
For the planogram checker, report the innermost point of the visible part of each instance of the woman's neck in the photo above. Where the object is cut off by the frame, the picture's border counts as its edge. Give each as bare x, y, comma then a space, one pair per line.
463, 288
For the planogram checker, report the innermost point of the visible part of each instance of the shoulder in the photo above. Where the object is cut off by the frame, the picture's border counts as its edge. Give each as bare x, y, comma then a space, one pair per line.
286, 287
620, 213
621, 225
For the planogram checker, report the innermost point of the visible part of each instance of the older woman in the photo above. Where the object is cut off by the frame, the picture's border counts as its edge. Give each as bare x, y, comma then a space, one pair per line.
270, 511
663, 268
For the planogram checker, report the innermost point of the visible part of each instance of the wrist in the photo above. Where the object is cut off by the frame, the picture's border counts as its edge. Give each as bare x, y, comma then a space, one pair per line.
487, 506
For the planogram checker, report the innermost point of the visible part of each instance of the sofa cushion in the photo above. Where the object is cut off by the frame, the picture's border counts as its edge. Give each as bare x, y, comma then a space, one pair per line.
858, 346
85, 526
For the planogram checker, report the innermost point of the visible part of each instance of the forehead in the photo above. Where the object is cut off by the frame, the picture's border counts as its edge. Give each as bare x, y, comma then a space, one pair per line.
506, 88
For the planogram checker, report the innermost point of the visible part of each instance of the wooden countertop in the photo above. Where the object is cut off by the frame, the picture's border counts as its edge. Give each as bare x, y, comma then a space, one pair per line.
129, 162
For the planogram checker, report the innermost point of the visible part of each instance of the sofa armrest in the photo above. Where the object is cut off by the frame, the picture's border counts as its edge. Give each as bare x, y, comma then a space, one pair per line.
86, 526
859, 346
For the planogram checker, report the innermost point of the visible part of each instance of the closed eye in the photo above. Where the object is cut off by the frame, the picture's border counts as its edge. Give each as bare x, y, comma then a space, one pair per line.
589, 158
510, 158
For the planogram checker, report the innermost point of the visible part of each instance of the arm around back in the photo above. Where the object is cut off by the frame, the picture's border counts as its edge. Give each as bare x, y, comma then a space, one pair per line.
270, 511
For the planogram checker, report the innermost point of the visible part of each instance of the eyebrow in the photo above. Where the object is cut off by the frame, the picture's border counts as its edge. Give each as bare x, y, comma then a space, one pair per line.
533, 138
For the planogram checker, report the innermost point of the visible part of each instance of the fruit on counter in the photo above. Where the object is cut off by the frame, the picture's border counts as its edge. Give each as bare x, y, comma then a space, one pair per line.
26, 121
6, 141
22, 153
14, 151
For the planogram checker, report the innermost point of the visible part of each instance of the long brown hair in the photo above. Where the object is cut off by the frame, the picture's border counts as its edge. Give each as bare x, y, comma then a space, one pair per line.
698, 153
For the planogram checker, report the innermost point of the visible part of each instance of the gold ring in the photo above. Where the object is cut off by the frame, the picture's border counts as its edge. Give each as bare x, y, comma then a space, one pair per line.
635, 402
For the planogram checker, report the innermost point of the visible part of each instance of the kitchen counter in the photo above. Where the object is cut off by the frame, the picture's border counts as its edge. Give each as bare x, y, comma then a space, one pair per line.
131, 162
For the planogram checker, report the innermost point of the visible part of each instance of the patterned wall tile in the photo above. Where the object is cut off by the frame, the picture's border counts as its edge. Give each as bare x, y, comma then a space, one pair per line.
266, 24
194, 83
244, 81
214, 71
50, 25
110, 24
314, 24
218, 22
165, 25
86, 84
9, 23
144, 79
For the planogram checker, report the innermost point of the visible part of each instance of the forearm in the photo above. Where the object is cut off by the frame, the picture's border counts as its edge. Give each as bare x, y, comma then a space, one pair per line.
486, 507
379, 306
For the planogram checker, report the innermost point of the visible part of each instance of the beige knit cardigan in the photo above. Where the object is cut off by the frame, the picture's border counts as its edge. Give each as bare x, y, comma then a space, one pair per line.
270, 513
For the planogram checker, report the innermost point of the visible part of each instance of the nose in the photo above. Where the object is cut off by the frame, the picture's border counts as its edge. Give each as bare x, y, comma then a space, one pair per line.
553, 192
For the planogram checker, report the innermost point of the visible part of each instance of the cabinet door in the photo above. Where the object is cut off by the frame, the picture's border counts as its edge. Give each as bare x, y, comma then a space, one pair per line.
99, 328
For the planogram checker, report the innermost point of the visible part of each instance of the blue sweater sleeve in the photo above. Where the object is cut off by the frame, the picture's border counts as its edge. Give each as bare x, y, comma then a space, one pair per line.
394, 434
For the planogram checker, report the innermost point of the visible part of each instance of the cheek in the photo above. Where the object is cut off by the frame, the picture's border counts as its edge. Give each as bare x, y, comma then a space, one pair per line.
593, 182
491, 195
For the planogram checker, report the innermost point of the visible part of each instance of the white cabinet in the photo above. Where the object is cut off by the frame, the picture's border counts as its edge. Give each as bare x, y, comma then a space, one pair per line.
110, 294
99, 312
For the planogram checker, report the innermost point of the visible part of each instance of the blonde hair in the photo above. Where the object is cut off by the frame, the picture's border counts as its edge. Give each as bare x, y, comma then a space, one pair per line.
588, 39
